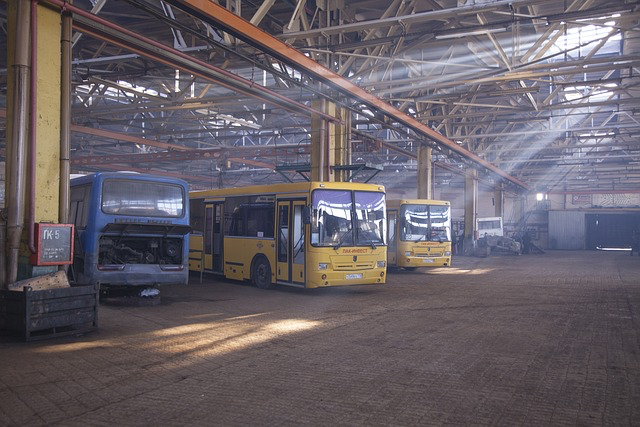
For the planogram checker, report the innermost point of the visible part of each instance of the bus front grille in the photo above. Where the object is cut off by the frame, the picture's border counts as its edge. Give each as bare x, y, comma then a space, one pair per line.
352, 266
430, 254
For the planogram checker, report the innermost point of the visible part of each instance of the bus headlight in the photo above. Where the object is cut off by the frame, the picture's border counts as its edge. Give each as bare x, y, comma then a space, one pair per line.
447, 253
407, 254
381, 264
322, 266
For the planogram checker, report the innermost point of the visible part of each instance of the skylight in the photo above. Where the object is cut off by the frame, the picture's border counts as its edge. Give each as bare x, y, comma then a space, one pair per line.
586, 93
584, 36
119, 94
143, 89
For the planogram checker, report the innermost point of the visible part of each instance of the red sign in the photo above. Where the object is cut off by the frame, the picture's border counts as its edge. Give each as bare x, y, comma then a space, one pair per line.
54, 244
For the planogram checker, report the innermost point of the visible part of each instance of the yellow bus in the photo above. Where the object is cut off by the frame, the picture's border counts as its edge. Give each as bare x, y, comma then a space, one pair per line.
308, 234
419, 233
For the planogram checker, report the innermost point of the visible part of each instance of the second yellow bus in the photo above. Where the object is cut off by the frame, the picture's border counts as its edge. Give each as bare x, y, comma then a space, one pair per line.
419, 233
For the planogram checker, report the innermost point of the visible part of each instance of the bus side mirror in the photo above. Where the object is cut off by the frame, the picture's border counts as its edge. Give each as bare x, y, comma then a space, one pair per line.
306, 215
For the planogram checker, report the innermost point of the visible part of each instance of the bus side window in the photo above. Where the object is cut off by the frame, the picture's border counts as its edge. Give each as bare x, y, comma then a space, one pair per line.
392, 215
208, 242
197, 215
239, 222
259, 221
269, 221
298, 235
249, 218
283, 233
235, 216
72, 213
78, 214
252, 227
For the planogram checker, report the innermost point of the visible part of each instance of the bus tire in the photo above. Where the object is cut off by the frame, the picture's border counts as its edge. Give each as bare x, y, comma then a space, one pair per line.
261, 273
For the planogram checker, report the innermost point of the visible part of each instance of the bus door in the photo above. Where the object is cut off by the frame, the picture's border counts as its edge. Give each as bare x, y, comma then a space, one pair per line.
392, 219
290, 242
213, 247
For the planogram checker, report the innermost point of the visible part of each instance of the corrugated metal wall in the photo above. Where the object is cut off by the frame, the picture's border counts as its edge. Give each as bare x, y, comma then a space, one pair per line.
566, 230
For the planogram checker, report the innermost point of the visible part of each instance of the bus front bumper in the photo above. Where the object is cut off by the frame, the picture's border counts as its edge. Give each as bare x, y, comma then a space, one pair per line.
140, 275
418, 261
320, 279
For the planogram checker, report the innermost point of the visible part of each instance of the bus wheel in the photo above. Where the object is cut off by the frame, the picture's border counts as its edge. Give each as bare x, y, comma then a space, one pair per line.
261, 273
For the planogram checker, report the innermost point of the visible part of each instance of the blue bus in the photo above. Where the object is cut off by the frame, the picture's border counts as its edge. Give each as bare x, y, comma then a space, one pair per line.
132, 230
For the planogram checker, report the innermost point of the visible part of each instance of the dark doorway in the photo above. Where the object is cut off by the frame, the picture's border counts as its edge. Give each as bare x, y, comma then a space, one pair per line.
611, 230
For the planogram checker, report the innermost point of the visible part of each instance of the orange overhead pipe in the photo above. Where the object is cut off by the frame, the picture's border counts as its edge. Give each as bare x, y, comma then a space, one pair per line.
255, 163
238, 27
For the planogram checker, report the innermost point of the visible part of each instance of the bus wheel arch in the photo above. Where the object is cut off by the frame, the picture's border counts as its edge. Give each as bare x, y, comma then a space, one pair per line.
261, 272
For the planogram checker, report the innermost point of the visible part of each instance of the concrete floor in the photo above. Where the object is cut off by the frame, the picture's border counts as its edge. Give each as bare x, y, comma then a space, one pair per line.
536, 340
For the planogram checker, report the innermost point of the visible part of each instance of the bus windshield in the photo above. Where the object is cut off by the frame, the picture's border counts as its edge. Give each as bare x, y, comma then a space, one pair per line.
332, 221
425, 222
142, 198
370, 216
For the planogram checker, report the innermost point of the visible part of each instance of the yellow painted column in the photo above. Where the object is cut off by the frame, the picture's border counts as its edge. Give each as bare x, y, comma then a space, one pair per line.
46, 170
318, 144
470, 208
342, 146
425, 172
330, 143
48, 115
330, 135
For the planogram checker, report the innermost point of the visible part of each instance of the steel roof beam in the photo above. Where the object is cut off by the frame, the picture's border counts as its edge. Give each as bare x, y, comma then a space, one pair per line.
196, 154
119, 136
415, 18
240, 28
125, 137
189, 178
120, 36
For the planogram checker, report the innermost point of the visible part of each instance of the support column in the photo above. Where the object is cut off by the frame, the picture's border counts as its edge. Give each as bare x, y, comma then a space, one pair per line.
318, 144
342, 147
470, 209
330, 143
18, 23
65, 121
38, 199
522, 210
498, 200
425, 172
